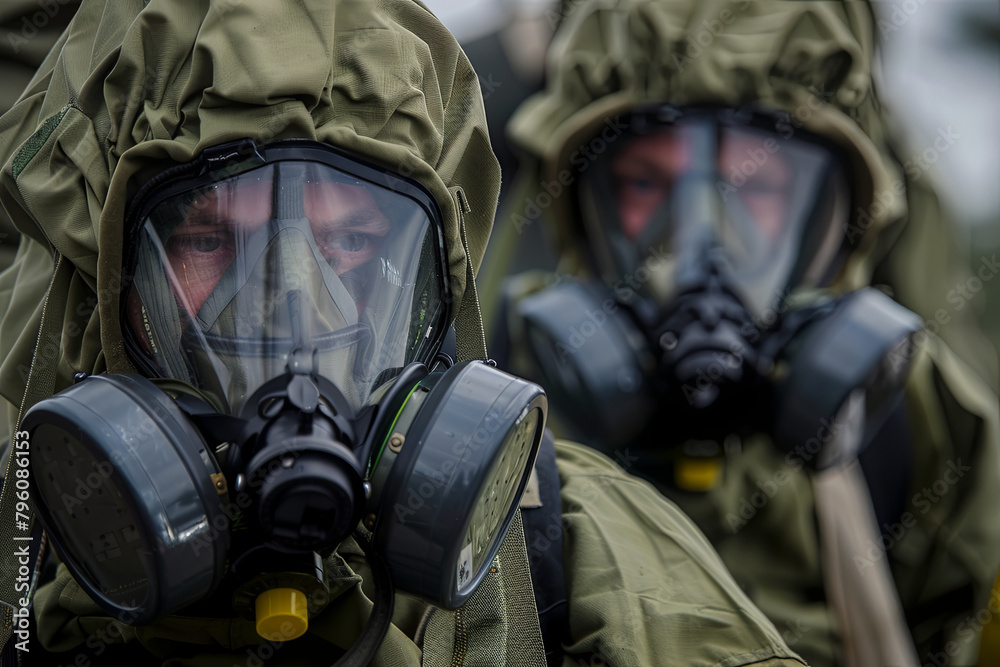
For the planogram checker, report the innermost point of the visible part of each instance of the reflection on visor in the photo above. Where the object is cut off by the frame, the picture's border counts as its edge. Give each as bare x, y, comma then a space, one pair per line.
769, 201
645, 171
346, 225
231, 275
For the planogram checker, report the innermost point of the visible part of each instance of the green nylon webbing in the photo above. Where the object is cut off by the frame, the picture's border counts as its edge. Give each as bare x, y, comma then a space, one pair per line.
499, 624
470, 339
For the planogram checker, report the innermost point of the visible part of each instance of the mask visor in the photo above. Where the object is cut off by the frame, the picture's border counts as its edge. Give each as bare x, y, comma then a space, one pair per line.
232, 274
772, 203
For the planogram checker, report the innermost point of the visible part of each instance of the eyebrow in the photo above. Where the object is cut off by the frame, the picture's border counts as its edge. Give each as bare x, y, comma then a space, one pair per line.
201, 220
364, 219
650, 167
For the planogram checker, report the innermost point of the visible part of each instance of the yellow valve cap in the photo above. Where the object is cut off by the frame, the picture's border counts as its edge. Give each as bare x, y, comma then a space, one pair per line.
282, 614
691, 474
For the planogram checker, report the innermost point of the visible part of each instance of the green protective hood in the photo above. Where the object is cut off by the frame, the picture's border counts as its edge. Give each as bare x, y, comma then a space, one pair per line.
812, 60
134, 86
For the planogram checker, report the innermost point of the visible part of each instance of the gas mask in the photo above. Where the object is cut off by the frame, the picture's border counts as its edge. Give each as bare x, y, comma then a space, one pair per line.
288, 304
715, 237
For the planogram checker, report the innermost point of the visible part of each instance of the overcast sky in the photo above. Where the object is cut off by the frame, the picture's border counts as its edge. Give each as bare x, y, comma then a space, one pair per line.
935, 80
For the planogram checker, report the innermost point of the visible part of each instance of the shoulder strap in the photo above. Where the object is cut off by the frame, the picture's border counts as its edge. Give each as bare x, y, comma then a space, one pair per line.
498, 624
543, 536
887, 464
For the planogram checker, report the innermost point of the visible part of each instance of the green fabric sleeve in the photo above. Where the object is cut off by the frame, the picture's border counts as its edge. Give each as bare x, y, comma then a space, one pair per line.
644, 585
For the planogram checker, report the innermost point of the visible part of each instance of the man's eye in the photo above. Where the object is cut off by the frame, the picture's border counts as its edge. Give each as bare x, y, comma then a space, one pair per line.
351, 242
640, 184
206, 243
195, 244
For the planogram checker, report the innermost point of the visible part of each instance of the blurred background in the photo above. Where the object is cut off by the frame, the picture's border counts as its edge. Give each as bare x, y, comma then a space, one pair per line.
941, 68
939, 74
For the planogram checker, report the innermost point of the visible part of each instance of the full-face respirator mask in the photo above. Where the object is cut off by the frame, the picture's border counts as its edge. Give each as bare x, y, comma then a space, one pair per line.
714, 237
288, 304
